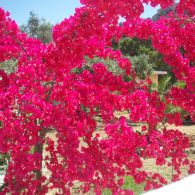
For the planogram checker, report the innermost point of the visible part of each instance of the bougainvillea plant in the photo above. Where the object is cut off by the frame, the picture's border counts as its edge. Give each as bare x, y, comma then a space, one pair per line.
54, 90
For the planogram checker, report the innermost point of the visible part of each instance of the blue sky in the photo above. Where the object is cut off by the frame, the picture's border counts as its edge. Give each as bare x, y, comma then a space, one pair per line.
53, 11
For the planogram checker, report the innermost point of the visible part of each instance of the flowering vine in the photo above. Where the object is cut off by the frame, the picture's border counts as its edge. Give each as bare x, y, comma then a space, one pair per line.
46, 93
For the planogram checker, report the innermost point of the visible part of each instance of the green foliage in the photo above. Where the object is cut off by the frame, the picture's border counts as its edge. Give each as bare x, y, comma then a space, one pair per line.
3, 162
9, 66
134, 46
180, 84
164, 84
38, 28
141, 65
163, 87
130, 184
171, 109
129, 46
107, 191
136, 50
111, 65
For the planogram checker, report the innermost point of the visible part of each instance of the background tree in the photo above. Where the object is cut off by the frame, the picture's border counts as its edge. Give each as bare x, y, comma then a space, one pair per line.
136, 50
164, 12
38, 28
141, 65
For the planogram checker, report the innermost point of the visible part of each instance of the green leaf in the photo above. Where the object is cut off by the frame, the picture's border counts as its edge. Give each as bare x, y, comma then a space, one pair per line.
107, 191
130, 184
180, 84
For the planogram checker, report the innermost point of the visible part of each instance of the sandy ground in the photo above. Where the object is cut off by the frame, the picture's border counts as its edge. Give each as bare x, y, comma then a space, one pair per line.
187, 129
